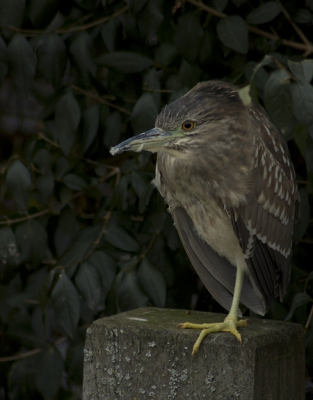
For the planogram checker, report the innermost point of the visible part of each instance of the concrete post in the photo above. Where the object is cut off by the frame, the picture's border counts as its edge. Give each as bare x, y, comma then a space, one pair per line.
142, 355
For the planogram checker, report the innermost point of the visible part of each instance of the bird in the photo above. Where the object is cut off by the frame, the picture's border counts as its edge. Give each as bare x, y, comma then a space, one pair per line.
226, 174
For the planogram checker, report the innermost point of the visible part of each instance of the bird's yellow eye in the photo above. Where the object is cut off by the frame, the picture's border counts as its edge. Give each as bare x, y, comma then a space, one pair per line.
188, 125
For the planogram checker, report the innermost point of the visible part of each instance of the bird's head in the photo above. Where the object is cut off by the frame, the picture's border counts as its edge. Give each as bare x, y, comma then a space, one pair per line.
200, 117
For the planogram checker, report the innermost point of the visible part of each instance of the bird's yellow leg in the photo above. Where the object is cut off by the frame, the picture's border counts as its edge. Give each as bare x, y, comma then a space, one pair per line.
230, 323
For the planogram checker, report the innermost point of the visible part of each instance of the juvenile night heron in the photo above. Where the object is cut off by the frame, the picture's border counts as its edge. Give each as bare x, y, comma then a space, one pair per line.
225, 172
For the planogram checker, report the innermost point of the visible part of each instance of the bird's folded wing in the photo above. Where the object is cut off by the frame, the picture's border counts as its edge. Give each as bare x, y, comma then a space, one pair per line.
216, 272
264, 224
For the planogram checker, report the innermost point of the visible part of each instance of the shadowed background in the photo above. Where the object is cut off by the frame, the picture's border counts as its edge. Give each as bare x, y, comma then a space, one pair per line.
84, 235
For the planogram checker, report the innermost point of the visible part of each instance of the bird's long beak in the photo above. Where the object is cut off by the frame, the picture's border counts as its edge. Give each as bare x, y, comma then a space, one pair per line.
151, 141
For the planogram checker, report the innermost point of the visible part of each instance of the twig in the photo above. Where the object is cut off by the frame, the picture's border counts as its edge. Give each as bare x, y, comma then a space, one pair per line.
55, 144
156, 90
115, 171
94, 23
55, 210
150, 244
307, 48
26, 218
306, 240
94, 244
106, 219
297, 29
100, 99
35, 32
309, 319
29, 353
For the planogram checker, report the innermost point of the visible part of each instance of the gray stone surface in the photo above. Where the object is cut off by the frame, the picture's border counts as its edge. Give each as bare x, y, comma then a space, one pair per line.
142, 355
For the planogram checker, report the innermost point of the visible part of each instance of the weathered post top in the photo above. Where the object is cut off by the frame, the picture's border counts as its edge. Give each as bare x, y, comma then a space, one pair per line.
141, 354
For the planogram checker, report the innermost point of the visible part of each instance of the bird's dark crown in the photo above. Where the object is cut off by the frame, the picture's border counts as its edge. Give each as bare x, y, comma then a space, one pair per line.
206, 101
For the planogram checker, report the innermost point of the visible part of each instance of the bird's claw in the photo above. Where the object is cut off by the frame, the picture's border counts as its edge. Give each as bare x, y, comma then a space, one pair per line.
226, 326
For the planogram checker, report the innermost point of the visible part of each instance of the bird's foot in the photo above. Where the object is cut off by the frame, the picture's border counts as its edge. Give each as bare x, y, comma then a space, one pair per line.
229, 325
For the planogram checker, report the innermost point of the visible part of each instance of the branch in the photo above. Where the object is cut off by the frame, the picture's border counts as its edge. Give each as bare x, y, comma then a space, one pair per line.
101, 99
297, 29
106, 219
30, 216
35, 32
307, 47
309, 319
150, 244
28, 353
55, 144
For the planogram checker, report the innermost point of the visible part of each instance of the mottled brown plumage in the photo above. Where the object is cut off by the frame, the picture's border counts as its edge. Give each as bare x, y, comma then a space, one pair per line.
225, 172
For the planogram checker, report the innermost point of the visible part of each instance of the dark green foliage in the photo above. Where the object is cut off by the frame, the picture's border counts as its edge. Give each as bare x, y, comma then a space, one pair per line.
84, 235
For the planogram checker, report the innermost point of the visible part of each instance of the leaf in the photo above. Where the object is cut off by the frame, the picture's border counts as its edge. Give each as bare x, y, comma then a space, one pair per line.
144, 114
142, 189
300, 133
74, 182
153, 283
149, 20
189, 75
220, 5
22, 63
239, 3
165, 54
302, 97
32, 240
151, 81
125, 61
88, 284
309, 151
278, 99
109, 33
52, 58
188, 45
9, 253
257, 77
137, 5
302, 70
309, 278
66, 231
105, 265
75, 362
264, 13
266, 61
233, 33
310, 3
42, 12
49, 372
302, 16
303, 223
61, 167
21, 379
120, 238
138, 183
65, 304
81, 49
42, 160
45, 186
112, 129
11, 14
81, 246
299, 299
67, 117
18, 181
120, 194
91, 125
129, 293
3, 60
